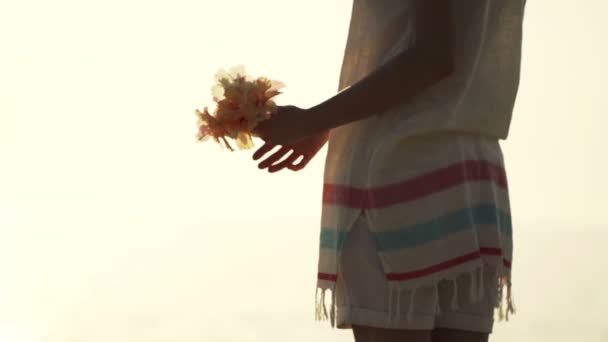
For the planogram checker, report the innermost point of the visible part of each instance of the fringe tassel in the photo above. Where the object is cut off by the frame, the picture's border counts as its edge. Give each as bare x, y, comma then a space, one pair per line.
332, 312
317, 307
504, 304
501, 300
323, 307
438, 306
480, 285
501, 313
394, 309
398, 307
510, 304
410, 309
321, 312
473, 287
390, 304
455, 295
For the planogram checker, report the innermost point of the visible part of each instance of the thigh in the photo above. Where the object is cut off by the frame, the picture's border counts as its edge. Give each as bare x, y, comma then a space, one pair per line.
371, 334
450, 335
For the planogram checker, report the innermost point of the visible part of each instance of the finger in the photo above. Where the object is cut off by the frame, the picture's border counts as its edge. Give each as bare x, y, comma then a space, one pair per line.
263, 150
300, 165
274, 157
285, 163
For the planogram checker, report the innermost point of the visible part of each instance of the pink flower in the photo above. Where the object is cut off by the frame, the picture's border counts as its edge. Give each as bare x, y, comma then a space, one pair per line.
241, 102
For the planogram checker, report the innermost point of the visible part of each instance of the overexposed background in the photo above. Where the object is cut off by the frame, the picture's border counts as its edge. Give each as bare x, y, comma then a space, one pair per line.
116, 226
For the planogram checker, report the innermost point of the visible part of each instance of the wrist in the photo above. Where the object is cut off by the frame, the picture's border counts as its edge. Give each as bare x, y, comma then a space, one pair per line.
316, 120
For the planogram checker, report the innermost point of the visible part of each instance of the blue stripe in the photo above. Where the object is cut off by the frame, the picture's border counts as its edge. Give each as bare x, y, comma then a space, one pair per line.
426, 232
332, 239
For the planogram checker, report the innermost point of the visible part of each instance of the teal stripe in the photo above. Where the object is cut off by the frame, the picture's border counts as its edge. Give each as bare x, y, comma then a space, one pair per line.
438, 228
423, 233
332, 239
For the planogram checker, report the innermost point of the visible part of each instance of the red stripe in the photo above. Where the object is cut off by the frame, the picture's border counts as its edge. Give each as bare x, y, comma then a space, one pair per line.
435, 268
490, 251
327, 276
415, 188
343, 195
496, 252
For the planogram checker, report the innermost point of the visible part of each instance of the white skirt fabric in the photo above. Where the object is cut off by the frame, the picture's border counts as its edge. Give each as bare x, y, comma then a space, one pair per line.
363, 296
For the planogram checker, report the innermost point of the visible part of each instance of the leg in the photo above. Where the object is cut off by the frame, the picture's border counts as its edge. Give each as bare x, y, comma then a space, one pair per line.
453, 335
371, 334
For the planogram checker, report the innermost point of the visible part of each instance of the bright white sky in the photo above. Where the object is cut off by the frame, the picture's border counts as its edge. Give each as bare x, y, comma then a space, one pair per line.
97, 128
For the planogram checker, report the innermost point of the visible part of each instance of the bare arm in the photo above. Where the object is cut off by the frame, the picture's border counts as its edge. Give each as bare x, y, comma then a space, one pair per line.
399, 80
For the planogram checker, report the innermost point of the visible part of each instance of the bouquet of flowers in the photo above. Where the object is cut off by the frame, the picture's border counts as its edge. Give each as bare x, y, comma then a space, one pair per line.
241, 102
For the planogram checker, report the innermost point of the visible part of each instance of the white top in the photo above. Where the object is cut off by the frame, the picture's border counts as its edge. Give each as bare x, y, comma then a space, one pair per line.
478, 97
429, 173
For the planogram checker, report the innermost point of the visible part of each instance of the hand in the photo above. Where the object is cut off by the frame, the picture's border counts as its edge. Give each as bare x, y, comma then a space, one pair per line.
306, 148
287, 125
